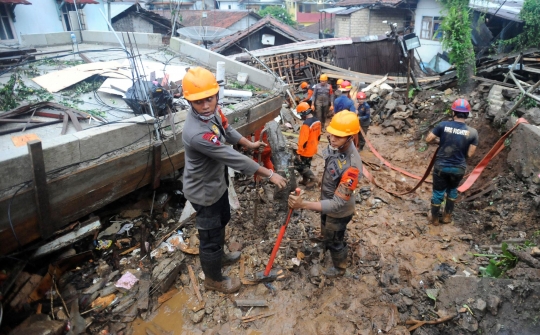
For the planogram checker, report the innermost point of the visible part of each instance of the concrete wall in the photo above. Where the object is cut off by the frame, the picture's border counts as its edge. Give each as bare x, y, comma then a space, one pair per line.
134, 24
211, 58
429, 48
70, 149
88, 36
368, 22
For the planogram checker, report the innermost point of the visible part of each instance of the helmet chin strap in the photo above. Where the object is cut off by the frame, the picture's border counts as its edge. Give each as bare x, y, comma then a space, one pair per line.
341, 146
204, 118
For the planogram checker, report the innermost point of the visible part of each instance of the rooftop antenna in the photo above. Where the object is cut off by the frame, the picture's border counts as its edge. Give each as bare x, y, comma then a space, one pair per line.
204, 34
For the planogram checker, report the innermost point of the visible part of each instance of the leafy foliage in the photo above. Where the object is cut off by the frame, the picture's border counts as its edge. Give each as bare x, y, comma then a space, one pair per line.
15, 91
530, 37
498, 263
457, 37
278, 13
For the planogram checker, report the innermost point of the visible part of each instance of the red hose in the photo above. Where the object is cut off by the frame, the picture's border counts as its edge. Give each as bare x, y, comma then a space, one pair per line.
278, 241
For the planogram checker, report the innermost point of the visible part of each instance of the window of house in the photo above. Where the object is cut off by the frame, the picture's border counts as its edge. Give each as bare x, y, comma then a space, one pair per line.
430, 28
6, 28
229, 6
66, 8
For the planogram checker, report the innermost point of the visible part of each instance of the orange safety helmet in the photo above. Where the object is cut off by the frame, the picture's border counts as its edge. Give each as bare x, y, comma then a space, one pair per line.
323, 77
346, 86
361, 96
343, 124
303, 108
304, 85
339, 81
199, 83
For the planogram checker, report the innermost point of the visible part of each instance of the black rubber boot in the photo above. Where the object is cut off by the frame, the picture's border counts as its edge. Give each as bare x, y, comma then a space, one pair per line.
448, 210
435, 209
231, 257
339, 259
213, 280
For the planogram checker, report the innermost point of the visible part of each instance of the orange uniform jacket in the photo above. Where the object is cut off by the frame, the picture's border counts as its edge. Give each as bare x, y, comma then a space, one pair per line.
308, 140
308, 97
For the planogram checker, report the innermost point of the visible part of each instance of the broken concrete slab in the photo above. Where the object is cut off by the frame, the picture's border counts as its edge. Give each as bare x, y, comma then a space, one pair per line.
524, 156
164, 274
533, 116
40, 324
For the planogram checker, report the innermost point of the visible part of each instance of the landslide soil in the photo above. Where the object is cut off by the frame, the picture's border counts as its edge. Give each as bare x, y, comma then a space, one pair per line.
394, 254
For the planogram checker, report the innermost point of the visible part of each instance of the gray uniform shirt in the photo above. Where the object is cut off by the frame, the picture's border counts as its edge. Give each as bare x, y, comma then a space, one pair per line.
342, 171
207, 155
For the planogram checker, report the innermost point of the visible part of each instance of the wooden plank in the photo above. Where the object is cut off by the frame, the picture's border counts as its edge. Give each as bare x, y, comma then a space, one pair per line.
496, 82
69, 238
251, 302
85, 58
156, 165
59, 80
41, 193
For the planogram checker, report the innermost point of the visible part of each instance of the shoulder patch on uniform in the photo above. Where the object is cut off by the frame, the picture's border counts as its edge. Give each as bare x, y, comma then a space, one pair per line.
212, 138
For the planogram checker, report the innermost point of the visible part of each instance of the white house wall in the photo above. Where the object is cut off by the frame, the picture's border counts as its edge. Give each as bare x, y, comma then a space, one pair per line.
243, 24
42, 17
429, 48
38, 18
224, 5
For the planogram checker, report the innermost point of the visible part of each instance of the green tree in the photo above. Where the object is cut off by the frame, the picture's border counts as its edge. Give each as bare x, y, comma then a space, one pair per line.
278, 13
457, 39
530, 37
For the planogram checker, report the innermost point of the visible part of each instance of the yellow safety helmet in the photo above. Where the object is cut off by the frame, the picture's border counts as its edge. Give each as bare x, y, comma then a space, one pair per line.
199, 83
343, 124
323, 77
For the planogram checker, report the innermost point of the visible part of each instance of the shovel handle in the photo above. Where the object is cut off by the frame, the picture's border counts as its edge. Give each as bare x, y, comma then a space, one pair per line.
278, 241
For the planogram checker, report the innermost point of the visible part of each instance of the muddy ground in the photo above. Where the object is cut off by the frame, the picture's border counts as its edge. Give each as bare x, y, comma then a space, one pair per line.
394, 258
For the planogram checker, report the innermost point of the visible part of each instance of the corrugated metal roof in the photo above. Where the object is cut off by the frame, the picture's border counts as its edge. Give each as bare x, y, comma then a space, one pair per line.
381, 57
384, 3
332, 10
296, 47
349, 11
505, 9
83, 2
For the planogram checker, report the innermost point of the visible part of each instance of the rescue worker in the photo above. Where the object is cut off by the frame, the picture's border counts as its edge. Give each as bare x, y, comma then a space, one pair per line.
323, 99
205, 173
457, 142
338, 82
343, 102
364, 116
342, 170
306, 89
308, 141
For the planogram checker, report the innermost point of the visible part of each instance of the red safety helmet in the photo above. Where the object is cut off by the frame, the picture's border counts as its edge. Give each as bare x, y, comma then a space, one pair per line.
461, 106
361, 96
346, 86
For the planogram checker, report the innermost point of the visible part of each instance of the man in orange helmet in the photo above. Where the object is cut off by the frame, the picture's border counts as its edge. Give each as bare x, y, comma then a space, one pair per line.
308, 142
323, 99
205, 181
364, 116
342, 171
306, 89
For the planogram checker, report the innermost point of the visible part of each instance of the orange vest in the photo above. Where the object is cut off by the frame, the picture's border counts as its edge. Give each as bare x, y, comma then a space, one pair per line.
308, 141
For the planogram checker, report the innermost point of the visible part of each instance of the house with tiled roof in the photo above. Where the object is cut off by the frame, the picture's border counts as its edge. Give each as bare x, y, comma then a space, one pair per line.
233, 20
265, 33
